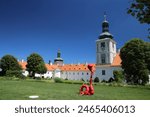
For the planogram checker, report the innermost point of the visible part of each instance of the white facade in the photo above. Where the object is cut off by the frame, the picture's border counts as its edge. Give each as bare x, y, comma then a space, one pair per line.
105, 72
57, 73
105, 54
25, 73
48, 74
76, 75
105, 51
70, 75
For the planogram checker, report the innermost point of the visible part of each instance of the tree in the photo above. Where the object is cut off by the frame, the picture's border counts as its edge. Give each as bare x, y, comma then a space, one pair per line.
135, 61
118, 75
141, 10
9, 63
35, 64
147, 54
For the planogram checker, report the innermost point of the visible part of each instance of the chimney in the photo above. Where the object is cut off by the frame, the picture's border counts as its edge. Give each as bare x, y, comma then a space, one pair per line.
22, 60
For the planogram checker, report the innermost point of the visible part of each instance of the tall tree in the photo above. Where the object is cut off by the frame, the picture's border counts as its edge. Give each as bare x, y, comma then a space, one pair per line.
9, 62
35, 64
135, 61
147, 54
141, 10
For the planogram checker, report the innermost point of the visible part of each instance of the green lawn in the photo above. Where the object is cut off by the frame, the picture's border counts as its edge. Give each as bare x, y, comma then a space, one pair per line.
22, 89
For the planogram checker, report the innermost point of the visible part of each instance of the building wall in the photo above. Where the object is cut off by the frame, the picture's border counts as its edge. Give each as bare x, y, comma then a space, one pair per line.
57, 73
48, 74
76, 75
108, 72
109, 50
25, 73
70, 75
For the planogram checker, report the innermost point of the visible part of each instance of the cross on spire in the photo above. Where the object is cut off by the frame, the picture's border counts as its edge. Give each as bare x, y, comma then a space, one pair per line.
105, 16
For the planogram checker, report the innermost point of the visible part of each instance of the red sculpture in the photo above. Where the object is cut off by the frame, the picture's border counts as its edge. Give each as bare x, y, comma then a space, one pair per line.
85, 89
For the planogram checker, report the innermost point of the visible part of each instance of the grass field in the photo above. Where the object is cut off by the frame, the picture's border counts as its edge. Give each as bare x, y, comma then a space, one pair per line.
22, 89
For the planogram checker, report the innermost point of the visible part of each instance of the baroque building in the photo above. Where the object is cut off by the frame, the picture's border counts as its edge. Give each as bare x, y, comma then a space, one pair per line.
107, 60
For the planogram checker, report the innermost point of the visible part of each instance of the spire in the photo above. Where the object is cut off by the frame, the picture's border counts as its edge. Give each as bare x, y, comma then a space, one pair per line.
58, 60
105, 29
105, 24
58, 54
104, 16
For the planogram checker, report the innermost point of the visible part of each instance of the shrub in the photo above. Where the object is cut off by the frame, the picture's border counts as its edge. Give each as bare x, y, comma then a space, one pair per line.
96, 79
103, 81
38, 78
118, 75
15, 73
58, 80
66, 78
82, 79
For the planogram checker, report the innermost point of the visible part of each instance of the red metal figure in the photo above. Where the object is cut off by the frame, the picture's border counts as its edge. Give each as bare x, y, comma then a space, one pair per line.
85, 89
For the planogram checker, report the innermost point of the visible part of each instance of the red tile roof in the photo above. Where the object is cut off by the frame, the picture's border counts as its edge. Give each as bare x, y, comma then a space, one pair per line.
75, 67
23, 65
117, 60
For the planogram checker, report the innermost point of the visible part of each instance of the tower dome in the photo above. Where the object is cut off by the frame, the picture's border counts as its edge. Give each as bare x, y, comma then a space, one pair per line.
105, 30
58, 60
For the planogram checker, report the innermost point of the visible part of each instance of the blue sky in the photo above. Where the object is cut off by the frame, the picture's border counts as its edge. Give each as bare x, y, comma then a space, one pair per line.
73, 26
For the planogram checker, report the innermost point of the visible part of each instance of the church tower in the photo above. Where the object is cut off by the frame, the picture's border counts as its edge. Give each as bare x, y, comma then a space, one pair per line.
105, 45
58, 60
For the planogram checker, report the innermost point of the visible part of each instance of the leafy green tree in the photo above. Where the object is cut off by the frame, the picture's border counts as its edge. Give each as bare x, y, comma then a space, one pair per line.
35, 64
147, 54
41, 68
118, 75
9, 63
135, 61
141, 10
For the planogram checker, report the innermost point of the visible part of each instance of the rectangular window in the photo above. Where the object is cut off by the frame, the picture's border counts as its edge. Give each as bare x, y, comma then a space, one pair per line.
113, 46
103, 58
103, 72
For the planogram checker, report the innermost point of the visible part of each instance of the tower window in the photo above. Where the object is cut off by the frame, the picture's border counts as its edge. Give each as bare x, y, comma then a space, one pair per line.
113, 45
103, 45
103, 72
103, 58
